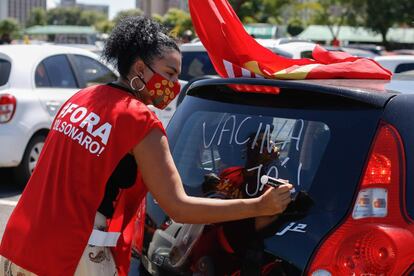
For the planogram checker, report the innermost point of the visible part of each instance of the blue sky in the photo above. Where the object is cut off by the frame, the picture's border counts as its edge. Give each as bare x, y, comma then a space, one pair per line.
114, 5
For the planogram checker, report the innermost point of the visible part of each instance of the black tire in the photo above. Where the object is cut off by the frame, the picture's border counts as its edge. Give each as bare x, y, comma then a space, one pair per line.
31, 155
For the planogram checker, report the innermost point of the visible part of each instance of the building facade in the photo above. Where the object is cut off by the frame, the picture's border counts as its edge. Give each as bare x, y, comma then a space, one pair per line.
150, 7
19, 9
67, 3
99, 8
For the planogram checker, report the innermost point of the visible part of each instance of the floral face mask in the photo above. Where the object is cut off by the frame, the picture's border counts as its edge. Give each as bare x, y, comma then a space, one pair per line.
162, 91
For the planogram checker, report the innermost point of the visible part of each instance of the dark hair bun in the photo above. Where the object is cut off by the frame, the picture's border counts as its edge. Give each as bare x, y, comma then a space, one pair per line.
136, 37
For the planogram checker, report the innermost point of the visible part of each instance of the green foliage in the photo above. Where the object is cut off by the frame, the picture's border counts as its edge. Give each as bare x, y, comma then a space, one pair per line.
89, 18
264, 11
249, 20
37, 16
381, 15
178, 21
9, 26
64, 16
407, 16
78, 17
105, 26
157, 17
295, 27
125, 13
337, 12
384, 14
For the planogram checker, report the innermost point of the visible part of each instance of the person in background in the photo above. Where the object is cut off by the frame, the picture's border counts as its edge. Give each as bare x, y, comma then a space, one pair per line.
104, 151
187, 36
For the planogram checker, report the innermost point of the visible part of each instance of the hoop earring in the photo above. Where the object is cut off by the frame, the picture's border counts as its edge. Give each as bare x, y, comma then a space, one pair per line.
132, 86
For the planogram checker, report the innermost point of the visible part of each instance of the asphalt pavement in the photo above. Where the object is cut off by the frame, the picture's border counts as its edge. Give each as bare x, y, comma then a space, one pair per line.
9, 195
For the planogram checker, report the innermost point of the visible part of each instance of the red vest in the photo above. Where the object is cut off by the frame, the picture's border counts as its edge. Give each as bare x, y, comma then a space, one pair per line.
51, 224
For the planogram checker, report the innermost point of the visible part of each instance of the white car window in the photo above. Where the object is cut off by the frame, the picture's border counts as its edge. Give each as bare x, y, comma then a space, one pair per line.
404, 67
91, 71
55, 72
5, 67
196, 64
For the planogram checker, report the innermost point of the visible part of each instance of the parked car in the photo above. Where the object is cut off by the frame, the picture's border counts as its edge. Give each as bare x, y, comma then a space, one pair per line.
35, 80
196, 62
401, 52
347, 144
374, 48
353, 51
298, 49
397, 64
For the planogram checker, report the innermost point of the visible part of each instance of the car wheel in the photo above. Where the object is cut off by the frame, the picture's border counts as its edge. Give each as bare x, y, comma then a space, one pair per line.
31, 155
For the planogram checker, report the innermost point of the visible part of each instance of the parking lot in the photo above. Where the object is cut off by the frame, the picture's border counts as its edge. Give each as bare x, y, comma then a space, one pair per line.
9, 195
289, 147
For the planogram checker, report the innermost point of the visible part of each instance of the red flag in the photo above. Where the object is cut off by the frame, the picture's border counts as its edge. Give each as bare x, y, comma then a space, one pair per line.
235, 53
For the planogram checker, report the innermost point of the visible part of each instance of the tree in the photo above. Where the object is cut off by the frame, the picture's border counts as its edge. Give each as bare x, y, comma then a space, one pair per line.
380, 20
64, 16
407, 8
125, 13
105, 26
37, 16
295, 27
178, 21
10, 27
384, 14
237, 4
259, 10
88, 18
157, 17
337, 13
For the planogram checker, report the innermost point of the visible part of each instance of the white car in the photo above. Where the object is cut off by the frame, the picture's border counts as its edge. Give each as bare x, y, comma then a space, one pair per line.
196, 62
296, 49
397, 64
35, 80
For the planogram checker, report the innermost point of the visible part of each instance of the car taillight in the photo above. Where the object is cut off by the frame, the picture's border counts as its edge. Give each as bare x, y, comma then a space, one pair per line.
7, 107
376, 238
251, 88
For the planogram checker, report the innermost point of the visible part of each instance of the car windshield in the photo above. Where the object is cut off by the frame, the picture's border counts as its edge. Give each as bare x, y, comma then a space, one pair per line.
5, 67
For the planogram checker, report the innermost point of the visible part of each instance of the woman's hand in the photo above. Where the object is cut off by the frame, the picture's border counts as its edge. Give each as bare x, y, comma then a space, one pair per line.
275, 200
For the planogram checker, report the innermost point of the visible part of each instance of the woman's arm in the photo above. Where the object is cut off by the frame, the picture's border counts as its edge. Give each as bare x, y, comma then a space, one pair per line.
163, 181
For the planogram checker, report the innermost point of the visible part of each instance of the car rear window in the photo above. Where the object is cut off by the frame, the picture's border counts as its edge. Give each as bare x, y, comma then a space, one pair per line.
5, 68
196, 64
222, 140
321, 150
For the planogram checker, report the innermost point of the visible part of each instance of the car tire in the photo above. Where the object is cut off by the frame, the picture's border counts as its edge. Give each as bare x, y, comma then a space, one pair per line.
31, 155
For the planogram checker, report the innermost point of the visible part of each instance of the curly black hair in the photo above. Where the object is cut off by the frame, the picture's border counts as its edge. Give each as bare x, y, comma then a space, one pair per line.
136, 37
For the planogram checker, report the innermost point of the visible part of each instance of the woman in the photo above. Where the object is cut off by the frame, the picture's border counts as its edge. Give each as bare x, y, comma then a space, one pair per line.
89, 155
